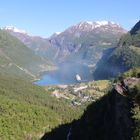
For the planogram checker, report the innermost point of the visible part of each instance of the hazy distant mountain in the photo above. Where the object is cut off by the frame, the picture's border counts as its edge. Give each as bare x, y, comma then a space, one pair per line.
85, 41
121, 58
82, 43
40, 45
14, 29
17, 59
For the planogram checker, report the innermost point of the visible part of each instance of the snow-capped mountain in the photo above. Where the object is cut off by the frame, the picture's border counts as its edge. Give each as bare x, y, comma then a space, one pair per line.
55, 35
94, 25
14, 29
83, 42
81, 39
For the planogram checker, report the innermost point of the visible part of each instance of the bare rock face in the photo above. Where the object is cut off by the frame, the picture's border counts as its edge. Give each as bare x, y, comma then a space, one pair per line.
86, 40
82, 43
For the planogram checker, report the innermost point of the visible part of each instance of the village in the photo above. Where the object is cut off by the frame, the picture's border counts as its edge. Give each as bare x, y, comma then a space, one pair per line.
80, 93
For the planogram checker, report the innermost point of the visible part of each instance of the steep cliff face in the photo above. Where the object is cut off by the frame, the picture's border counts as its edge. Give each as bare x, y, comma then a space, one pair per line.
85, 41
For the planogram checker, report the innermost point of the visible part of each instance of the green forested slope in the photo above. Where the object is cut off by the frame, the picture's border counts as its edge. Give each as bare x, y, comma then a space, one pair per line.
27, 111
123, 57
17, 59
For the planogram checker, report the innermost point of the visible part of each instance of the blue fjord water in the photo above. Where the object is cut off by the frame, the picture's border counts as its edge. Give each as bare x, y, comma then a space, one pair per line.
65, 75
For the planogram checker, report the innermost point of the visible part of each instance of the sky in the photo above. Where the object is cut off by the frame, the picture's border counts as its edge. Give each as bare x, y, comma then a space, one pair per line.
44, 17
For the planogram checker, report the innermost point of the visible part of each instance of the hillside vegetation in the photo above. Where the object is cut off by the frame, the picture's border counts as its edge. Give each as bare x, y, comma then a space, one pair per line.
17, 59
39, 45
123, 57
27, 111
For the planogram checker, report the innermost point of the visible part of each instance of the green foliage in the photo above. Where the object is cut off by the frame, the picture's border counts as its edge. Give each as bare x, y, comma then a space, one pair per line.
135, 49
125, 57
131, 39
16, 58
122, 58
27, 111
134, 72
135, 95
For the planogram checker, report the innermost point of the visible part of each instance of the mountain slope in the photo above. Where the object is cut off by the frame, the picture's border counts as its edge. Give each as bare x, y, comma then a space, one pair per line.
39, 45
135, 29
85, 42
17, 59
27, 111
123, 57
82, 43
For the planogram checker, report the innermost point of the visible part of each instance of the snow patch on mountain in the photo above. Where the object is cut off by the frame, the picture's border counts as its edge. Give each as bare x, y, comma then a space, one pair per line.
57, 33
102, 23
14, 29
95, 24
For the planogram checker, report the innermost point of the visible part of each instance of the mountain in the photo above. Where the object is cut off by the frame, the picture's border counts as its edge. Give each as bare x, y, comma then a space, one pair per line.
125, 56
82, 43
27, 110
17, 59
14, 29
85, 41
39, 45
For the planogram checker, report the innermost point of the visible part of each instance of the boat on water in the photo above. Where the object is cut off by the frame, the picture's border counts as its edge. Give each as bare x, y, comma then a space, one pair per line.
78, 78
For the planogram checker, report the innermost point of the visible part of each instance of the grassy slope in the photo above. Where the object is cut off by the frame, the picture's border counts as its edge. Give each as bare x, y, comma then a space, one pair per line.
40, 45
27, 110
123, 57
128, 52
14, 54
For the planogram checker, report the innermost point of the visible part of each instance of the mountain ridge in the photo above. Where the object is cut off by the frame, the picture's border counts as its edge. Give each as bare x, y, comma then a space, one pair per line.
14, 29
92, 25
18, 59
76, 42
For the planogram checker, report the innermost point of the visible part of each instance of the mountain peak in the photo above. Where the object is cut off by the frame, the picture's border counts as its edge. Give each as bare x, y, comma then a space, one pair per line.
97, 26
91, 25
104, 22
57, 33
14, 29
101, 23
